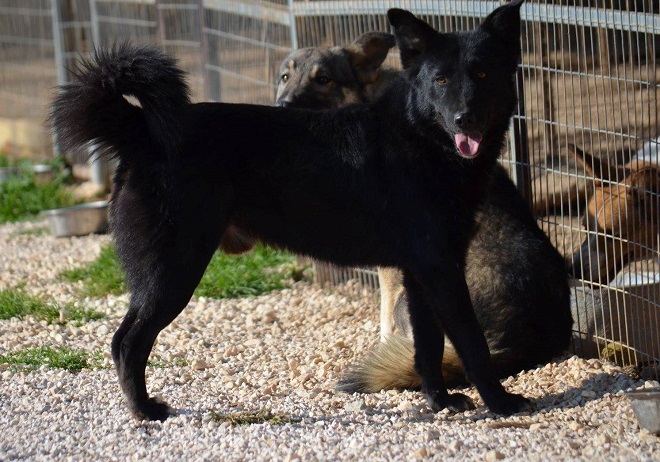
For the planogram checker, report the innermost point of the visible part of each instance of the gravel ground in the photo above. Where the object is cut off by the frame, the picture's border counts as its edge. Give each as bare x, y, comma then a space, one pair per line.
281, 352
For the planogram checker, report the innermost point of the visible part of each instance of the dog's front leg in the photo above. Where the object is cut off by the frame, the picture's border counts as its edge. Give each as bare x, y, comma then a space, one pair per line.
429, 340
442, 305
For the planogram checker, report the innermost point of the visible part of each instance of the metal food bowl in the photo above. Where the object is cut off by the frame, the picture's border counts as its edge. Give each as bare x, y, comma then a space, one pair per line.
42, 173
646, 406
79, 220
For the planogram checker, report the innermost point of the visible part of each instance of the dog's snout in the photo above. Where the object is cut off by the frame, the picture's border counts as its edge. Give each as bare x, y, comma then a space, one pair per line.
464, 119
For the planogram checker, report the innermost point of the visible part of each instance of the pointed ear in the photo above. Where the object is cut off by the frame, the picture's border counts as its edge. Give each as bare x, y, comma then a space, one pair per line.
504, 23
367, 53
593, 166
412, 35
646, 182
584, 160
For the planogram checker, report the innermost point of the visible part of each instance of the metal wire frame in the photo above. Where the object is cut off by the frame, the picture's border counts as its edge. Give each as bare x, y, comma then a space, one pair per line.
589, 77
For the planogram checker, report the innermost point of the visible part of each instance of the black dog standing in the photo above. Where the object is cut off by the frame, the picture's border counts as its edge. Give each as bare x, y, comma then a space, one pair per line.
355, 186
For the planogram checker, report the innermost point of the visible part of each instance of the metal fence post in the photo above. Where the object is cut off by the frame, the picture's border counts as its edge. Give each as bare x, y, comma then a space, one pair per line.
160, 26
98, 166
292, 27
94, 19
519, 144
58, 52
203, 50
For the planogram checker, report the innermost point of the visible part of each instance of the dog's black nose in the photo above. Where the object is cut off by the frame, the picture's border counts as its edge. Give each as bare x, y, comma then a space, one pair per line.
282, 104
464, 120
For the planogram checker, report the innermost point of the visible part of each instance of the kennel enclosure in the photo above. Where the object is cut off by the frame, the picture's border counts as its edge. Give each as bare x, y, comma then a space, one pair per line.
589, 79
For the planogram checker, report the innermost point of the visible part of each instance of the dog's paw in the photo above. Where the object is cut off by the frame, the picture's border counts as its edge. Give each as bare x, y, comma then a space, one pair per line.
152, 409
455, 402
510, 403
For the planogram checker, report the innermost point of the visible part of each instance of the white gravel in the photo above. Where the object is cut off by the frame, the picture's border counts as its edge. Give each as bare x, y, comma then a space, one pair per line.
282, 352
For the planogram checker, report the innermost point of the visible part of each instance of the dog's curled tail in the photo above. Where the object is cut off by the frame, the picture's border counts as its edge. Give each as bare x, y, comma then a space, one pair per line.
391, 365
93, 107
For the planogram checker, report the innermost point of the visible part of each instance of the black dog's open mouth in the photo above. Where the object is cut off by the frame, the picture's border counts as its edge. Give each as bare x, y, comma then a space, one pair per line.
468, 143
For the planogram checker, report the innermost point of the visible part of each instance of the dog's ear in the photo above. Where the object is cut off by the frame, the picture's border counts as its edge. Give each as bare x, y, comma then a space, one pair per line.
593, 166
504, 23
367, 53
412, 35
646, 182
586, 163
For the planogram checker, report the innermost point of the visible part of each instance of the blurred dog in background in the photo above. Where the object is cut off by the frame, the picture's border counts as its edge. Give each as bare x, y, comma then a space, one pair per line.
621, 219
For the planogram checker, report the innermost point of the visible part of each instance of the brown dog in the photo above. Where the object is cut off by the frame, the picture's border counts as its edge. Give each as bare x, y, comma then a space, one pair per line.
622, 222
325, 78
563, 182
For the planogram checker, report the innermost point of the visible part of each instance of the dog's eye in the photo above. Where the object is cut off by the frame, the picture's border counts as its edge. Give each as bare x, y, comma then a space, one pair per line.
441, 80
284, 78
322, 79
481, 75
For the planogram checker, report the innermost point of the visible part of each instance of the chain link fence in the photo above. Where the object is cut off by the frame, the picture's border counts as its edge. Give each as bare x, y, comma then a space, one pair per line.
587, 123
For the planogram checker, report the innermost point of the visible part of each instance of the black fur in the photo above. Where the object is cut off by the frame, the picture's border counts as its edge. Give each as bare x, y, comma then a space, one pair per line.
379, 184
516, 278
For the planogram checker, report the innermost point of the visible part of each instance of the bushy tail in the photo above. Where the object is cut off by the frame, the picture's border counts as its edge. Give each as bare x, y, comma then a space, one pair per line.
92, 108
391, 365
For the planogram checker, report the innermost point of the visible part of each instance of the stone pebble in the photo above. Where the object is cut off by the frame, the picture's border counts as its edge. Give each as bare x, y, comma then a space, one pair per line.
283, 352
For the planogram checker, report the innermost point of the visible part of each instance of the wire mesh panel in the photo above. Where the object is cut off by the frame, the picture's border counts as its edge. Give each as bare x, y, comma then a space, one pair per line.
114, 21
179, 26
328, 273
246, 42
27, 74
590, 80
589, 87
583, 147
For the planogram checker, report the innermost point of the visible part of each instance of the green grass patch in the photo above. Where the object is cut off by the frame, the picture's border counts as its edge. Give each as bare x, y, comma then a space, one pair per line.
251, 417
15, 303
104, 276
156, 364
58, 358
228, 276
22, 197
5, 161
178, 362
257, 272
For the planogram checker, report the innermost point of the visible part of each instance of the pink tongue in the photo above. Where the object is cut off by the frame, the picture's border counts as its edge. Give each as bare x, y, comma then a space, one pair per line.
468, 143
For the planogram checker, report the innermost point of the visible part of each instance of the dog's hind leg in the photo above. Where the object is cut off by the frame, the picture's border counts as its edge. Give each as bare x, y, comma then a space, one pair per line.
131, 346
164, 260
156, 301
442, 304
